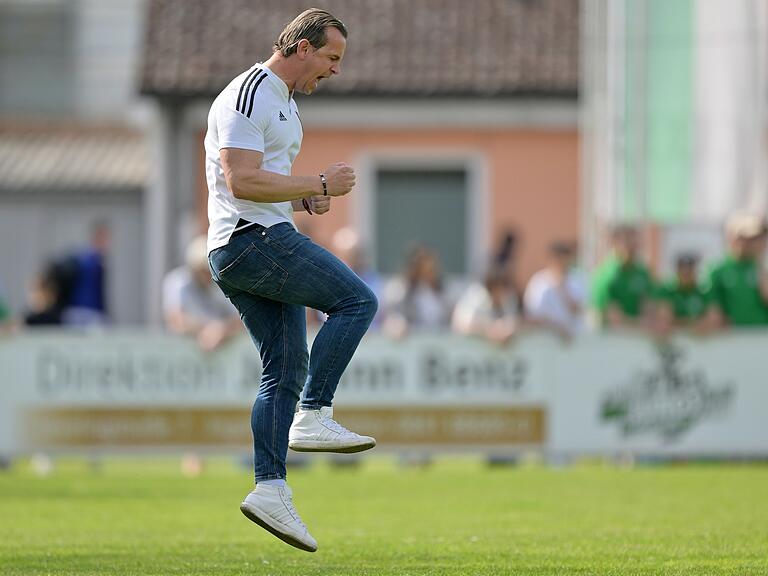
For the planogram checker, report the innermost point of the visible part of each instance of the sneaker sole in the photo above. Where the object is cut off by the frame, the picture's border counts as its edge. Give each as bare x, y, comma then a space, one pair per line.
309, 446
287, 538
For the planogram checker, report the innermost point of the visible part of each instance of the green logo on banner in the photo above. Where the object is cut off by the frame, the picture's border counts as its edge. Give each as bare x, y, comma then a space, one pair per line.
667, 400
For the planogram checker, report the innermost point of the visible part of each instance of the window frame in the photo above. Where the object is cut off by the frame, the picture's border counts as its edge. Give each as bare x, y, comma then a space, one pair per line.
473, 163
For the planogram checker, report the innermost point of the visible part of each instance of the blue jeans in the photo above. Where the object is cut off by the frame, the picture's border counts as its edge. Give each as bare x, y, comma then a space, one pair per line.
270, 275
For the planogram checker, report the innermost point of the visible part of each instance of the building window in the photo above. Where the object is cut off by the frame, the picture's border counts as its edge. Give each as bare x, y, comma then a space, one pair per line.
37, 57
417, 206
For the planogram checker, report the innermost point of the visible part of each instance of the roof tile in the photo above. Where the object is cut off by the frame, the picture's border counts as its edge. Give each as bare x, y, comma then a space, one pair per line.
78, 159
396, 47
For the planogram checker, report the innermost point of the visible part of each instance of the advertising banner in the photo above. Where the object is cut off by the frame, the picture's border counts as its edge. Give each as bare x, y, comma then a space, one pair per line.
603, 393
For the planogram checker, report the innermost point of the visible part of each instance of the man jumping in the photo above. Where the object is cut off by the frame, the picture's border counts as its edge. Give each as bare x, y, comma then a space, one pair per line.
270, 271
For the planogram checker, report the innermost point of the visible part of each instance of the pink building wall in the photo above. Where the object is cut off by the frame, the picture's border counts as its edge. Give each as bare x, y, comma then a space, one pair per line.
532, 175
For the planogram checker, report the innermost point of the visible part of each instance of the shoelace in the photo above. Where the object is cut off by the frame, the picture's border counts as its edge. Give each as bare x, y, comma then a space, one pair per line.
288, 502
335, 426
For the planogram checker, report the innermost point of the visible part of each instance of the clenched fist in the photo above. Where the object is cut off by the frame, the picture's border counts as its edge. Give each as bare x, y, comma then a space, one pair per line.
319, 204
340, 178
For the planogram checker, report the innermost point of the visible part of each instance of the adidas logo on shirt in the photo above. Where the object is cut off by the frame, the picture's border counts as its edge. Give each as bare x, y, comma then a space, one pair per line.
282, 117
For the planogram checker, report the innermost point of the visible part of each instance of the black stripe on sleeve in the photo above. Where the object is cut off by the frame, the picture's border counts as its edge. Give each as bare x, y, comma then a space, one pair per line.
253, 93
248, 80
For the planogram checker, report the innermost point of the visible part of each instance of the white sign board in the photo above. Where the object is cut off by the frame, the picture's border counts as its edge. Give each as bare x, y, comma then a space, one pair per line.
604, 393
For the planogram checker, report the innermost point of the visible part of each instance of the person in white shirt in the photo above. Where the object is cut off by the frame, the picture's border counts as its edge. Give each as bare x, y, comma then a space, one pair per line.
555, 296
416, 300
488, 309
271, 272
194, 306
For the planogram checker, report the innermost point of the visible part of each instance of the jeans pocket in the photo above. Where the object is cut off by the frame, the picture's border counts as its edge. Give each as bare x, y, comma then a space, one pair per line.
224, 259
251, 270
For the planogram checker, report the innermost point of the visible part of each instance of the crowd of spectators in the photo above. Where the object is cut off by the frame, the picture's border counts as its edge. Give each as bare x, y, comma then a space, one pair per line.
491, 308
70, 289
622, 294
731, 292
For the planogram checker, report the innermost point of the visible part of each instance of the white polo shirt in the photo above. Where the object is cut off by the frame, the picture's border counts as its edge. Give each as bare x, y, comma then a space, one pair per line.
254, 112
544, 300
182, 293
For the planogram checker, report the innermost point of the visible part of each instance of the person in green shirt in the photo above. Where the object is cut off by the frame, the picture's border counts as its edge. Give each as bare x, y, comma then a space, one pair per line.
5, 317
622, 286
737, 286
681, 302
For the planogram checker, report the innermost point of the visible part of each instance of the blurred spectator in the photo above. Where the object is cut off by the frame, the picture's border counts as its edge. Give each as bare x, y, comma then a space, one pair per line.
418, 299
347, 246
622, 286
44, 302
6, 322
85, 303
680, 302
555, 296
194, 306
60, 275
505, 253
488, 309
737, 287
505, 259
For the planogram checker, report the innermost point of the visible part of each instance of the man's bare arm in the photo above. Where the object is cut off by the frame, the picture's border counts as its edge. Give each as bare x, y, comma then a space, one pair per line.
248, 181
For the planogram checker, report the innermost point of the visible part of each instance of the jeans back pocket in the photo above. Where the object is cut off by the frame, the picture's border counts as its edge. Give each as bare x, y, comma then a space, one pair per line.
248, 268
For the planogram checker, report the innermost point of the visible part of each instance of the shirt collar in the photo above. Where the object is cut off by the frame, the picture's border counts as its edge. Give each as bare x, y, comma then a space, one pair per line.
277, 82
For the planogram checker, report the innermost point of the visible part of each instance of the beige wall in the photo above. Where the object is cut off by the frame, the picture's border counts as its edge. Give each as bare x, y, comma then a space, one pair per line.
532, 176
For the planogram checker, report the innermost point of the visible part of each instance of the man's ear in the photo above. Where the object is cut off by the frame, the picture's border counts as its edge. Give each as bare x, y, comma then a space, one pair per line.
302, 48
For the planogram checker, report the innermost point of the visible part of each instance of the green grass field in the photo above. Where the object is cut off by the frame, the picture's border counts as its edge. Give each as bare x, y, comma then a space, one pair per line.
455, 517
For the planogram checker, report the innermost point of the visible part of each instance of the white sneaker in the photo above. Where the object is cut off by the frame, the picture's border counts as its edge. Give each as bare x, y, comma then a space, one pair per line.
317, 431
271, 507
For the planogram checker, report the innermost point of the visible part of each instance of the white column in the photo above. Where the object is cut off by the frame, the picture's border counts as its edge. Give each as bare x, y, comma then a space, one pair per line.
730, 107
159, 203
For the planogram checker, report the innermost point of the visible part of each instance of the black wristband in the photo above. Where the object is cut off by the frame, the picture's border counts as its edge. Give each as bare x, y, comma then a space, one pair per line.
325, 184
